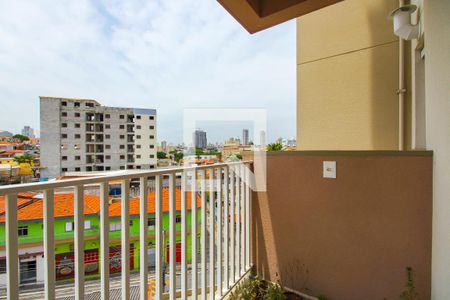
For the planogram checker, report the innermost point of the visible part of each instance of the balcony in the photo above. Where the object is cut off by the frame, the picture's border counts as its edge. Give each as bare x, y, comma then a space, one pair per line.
207, 212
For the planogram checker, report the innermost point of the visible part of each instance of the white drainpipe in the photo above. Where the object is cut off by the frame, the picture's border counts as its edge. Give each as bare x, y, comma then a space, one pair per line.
401, 92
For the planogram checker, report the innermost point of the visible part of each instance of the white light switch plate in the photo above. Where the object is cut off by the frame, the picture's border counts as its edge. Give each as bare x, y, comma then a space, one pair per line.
329, 169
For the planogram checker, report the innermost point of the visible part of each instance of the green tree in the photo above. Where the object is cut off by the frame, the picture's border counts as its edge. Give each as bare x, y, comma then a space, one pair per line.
161, 154
24, 159
20, 137
275, 147
177, 156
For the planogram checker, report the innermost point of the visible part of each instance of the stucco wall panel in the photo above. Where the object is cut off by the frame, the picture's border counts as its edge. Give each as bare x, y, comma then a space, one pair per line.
355, 234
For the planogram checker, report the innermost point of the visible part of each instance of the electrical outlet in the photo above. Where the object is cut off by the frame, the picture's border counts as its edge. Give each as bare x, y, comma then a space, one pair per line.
329, 169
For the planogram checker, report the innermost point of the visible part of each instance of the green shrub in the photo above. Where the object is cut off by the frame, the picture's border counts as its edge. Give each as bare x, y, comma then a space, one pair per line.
274, 292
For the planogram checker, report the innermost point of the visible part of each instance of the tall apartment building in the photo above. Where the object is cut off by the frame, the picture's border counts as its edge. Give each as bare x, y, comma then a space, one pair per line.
83, 135
28, 131
244, 136
200, 141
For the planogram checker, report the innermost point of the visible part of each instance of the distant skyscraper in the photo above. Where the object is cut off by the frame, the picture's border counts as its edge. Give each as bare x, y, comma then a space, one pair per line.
245, 137
164, 146
28, 131
262, 138
199, 137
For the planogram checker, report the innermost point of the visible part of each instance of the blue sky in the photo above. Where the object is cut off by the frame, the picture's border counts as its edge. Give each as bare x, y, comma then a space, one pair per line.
167, 55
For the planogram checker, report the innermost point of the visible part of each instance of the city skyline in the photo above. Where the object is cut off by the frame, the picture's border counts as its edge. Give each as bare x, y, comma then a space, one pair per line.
119, 54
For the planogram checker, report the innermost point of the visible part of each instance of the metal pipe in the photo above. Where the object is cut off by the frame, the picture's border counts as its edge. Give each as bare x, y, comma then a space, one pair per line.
401, 91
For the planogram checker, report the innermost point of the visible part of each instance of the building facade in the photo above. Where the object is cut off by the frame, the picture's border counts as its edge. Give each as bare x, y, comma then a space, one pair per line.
199, 139
30, 217
28, 132
245, 140
83, 135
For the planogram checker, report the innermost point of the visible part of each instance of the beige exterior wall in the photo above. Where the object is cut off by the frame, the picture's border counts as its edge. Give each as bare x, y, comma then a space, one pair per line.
436, 26
347, 78
348, 238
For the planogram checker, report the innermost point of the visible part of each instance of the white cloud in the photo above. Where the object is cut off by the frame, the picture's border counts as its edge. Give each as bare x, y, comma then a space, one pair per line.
167, 55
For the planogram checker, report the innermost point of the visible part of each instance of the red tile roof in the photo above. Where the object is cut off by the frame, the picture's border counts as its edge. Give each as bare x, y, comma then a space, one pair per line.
115, 208
32, 209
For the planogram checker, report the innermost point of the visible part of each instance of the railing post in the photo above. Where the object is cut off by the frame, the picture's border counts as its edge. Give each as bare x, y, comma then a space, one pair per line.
49, 245
219, 231
238, 225
104, 240
125, 239
143, 238
183, 237
212, 281
12, 255
159, 262
172, 237
243, 219
203, 231
247, 218
226, 227
194, 222
79, 242
233, 230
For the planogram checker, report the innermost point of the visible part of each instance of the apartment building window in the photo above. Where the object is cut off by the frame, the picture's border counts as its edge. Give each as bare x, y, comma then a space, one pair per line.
122, 116
64, 125
122, 126
77, 136
152, 127
70, 226
138, 156
122, 157
107, 136
3, 266
122, 136
77, 125
77, 157
178, 219
122, 146
152, 166
108, 168
151, 223
64, 136
138, 127
114, 226
138, 136
22, 230
107, 126
122, 167
63, 146
64, 114
152, 146
64, 158
89, 104
76, 104
107, 146
77, 147
152, 156
138, 167
151, 117
64, 103
63, 169
77, 169
107, 116
77, 115
108, 157
152, 137
138, 146
138, 117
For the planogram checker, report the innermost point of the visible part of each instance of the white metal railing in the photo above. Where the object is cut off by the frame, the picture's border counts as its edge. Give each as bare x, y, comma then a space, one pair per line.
224, 229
